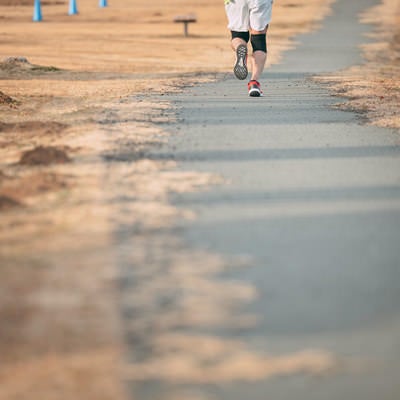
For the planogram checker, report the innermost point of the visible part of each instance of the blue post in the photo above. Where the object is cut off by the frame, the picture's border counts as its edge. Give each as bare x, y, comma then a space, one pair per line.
73, 9
103, 3
37, 11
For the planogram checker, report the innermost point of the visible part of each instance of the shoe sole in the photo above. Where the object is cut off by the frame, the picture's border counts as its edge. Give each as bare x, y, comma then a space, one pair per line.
255, 93
240, 68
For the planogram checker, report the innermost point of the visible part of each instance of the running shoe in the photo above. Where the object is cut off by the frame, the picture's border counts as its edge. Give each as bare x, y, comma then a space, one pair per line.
240, 68
254, 88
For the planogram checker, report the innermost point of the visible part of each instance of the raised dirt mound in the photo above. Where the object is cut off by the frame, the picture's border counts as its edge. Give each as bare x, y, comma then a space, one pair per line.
7, 202
15, 62
21, 64
42, 155
5, 99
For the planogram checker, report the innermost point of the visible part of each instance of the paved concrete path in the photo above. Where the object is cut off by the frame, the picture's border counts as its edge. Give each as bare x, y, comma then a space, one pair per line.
312, 196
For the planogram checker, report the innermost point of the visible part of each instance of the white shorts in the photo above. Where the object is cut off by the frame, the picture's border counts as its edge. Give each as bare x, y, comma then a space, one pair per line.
244, 15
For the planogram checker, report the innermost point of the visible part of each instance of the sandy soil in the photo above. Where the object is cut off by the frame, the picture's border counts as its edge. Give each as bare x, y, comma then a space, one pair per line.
76, 116
374, 87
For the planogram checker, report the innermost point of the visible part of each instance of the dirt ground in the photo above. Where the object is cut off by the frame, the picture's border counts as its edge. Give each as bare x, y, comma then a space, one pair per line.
75, 100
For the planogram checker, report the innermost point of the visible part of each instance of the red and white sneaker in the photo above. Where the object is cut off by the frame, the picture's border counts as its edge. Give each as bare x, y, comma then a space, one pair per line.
254, 88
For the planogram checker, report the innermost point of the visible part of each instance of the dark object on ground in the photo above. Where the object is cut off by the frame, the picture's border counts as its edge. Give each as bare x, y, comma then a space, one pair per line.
7, 202
5, 99
44, 156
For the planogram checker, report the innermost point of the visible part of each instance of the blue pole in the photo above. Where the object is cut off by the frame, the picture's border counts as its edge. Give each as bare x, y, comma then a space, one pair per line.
103, 3
73, 9
37, 11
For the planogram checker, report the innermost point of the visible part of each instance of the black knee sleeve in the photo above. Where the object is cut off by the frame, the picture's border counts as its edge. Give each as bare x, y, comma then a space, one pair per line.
259, 42
242, 35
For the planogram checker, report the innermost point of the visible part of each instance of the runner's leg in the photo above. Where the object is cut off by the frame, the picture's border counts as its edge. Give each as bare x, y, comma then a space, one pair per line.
258, 58
238, 23
260, 17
